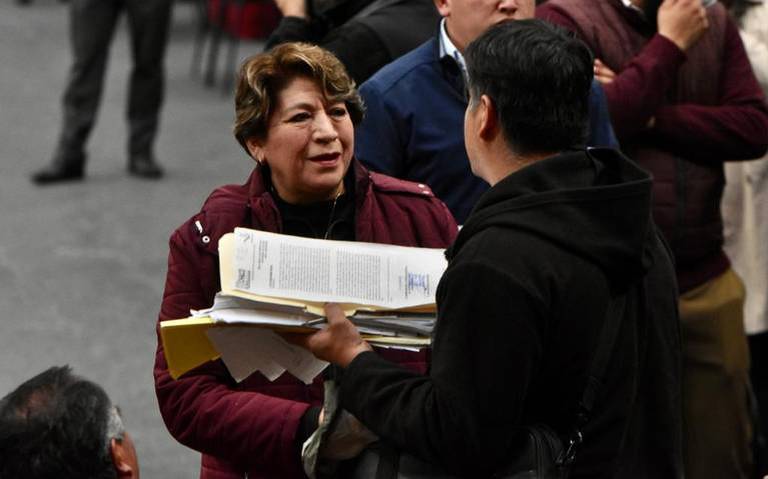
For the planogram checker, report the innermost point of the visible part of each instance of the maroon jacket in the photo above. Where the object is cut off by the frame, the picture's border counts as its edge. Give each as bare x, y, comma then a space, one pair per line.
707, 108
251, 427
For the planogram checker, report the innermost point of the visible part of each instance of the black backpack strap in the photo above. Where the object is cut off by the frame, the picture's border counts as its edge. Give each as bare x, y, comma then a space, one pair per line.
603, 355
604, 352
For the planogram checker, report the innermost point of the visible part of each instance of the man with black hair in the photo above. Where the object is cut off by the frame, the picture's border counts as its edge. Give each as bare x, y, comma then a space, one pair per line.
57, 425
534, 276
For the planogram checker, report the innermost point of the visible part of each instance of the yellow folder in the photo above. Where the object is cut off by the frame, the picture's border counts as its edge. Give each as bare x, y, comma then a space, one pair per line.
186, 345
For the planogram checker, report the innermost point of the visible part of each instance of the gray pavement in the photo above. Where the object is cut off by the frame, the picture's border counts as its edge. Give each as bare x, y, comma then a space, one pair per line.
82, 266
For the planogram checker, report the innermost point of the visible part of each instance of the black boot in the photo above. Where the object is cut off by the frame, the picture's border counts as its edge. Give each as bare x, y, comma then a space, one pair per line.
144, 166
60, 170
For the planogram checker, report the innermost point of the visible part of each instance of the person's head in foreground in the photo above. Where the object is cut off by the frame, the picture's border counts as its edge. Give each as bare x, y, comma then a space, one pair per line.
57, 425
295, 110
528, 89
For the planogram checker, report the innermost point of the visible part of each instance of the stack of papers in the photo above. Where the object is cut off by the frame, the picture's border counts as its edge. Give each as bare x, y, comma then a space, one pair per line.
389, 324
278, 283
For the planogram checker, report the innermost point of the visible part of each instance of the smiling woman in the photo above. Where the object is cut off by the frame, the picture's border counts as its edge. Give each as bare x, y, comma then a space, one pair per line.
296, 108
309, 146
295, 113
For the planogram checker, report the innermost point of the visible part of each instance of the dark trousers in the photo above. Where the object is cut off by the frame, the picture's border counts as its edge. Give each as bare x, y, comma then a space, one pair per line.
92, 26
758, 349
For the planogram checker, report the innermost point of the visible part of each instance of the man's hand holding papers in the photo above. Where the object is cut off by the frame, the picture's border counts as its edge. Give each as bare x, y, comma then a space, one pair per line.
339, 342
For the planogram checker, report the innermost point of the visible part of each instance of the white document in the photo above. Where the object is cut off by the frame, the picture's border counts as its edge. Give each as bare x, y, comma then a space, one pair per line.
232, 310
311, 270
245, 350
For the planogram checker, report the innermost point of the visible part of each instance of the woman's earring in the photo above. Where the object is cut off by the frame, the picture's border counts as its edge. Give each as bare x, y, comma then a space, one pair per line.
255, 151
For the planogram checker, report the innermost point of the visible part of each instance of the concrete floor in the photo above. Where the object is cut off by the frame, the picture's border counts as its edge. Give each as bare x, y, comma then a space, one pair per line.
82, 266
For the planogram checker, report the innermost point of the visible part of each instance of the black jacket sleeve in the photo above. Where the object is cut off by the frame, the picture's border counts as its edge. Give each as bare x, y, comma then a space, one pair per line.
357, 46
485, 351
295, 29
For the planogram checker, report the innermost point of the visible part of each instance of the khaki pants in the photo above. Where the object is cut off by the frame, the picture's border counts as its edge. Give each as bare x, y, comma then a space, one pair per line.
717, 427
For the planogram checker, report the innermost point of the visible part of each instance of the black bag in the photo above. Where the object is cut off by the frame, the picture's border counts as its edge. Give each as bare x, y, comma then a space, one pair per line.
543, 454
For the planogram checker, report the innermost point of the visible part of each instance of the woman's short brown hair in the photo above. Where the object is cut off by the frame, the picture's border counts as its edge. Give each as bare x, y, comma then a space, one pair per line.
263, 76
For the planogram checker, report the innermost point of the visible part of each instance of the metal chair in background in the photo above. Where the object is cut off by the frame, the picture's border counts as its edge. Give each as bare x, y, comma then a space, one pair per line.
230, 21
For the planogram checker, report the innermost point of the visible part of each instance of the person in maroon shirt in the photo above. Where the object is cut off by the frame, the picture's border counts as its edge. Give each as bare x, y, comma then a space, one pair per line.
296, 108
684, 99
